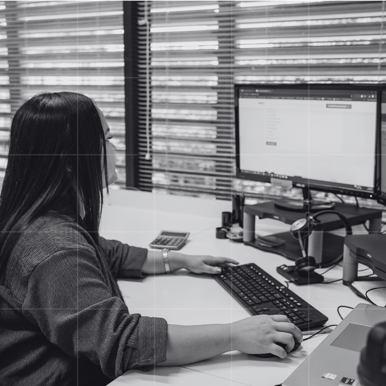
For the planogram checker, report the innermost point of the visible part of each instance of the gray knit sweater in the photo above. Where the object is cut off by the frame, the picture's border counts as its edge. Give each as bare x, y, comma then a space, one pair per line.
60, 322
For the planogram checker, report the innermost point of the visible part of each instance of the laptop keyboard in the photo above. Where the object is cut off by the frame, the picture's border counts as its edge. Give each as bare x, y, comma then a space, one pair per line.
261, 294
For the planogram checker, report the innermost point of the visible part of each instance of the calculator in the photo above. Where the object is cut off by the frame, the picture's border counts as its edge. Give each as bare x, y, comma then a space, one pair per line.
170, 240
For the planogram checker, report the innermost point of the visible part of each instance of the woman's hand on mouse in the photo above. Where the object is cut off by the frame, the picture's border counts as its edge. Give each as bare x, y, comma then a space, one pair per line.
258, 335
206, 264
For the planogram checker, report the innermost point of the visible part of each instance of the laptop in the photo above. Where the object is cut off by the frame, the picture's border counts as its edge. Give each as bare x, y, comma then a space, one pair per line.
334, 362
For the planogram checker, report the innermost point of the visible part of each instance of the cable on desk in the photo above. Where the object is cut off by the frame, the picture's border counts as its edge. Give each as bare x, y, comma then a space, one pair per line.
364, 269
288, 282
337, 310
318, 332
356, 292
371, 275
364, 226
369, 290
332, 281
380, 229
333, 266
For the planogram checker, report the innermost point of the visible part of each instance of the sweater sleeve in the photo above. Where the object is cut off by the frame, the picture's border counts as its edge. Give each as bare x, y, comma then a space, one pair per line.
123, 260
69, 300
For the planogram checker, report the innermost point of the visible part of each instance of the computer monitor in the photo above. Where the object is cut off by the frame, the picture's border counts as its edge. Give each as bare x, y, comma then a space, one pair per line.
381, 175
311, 136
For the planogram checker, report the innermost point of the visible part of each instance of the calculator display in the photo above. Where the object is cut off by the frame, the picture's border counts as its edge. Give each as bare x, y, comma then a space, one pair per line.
173, 234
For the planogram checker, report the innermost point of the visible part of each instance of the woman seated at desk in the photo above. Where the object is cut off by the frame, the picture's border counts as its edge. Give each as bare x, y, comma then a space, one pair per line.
63, 319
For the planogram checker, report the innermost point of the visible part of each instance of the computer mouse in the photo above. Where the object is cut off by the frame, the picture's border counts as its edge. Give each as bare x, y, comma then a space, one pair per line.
269, 355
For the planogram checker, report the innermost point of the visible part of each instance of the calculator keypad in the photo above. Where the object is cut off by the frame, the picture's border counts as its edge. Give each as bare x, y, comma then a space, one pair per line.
171, 242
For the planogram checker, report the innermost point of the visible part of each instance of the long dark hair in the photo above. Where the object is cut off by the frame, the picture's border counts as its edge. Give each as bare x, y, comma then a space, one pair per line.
57, 149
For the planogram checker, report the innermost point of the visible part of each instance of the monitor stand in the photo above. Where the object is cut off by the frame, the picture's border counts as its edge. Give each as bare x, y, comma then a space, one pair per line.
323, 245
305, 205
302, 206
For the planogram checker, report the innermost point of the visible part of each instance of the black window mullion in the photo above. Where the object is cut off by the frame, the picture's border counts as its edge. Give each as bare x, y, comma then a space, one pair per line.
130, 20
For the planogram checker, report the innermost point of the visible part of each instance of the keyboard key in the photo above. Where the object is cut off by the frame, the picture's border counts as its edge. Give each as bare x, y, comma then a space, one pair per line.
255, 299
231, 286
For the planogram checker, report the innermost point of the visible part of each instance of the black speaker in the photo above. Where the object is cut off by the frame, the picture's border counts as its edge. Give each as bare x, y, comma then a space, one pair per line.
372, 365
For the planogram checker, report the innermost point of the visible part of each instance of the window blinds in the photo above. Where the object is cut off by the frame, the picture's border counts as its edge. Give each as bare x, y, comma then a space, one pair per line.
198, 50
48, 46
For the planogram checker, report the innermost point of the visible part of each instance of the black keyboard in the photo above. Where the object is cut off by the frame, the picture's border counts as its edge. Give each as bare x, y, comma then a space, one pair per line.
261, 294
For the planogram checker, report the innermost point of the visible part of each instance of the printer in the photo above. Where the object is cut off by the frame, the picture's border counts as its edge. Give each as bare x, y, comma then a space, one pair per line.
368, 249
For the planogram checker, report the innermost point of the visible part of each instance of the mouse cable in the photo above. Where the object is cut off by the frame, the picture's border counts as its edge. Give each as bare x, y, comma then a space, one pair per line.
318, 332
337, 310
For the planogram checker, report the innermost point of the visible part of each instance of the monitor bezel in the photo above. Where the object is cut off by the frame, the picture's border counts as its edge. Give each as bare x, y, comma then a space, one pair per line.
298, 182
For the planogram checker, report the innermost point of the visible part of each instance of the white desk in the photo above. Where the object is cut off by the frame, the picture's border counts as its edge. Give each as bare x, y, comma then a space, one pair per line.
184, 298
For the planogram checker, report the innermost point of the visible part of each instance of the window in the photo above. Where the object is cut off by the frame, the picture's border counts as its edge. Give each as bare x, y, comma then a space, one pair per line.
198, 50
75, 46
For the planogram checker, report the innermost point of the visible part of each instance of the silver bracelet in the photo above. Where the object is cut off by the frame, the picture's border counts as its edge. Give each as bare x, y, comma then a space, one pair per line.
165, 252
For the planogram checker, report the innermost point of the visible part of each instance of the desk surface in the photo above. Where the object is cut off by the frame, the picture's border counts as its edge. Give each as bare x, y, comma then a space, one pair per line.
186, 299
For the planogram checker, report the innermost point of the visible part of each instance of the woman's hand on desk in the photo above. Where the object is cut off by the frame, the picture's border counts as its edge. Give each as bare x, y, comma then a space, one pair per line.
258, 335
154, 263
254, 335
206, 264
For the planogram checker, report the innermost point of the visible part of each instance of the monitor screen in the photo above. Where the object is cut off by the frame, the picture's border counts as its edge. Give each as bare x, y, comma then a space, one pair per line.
321, 137
381, 181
